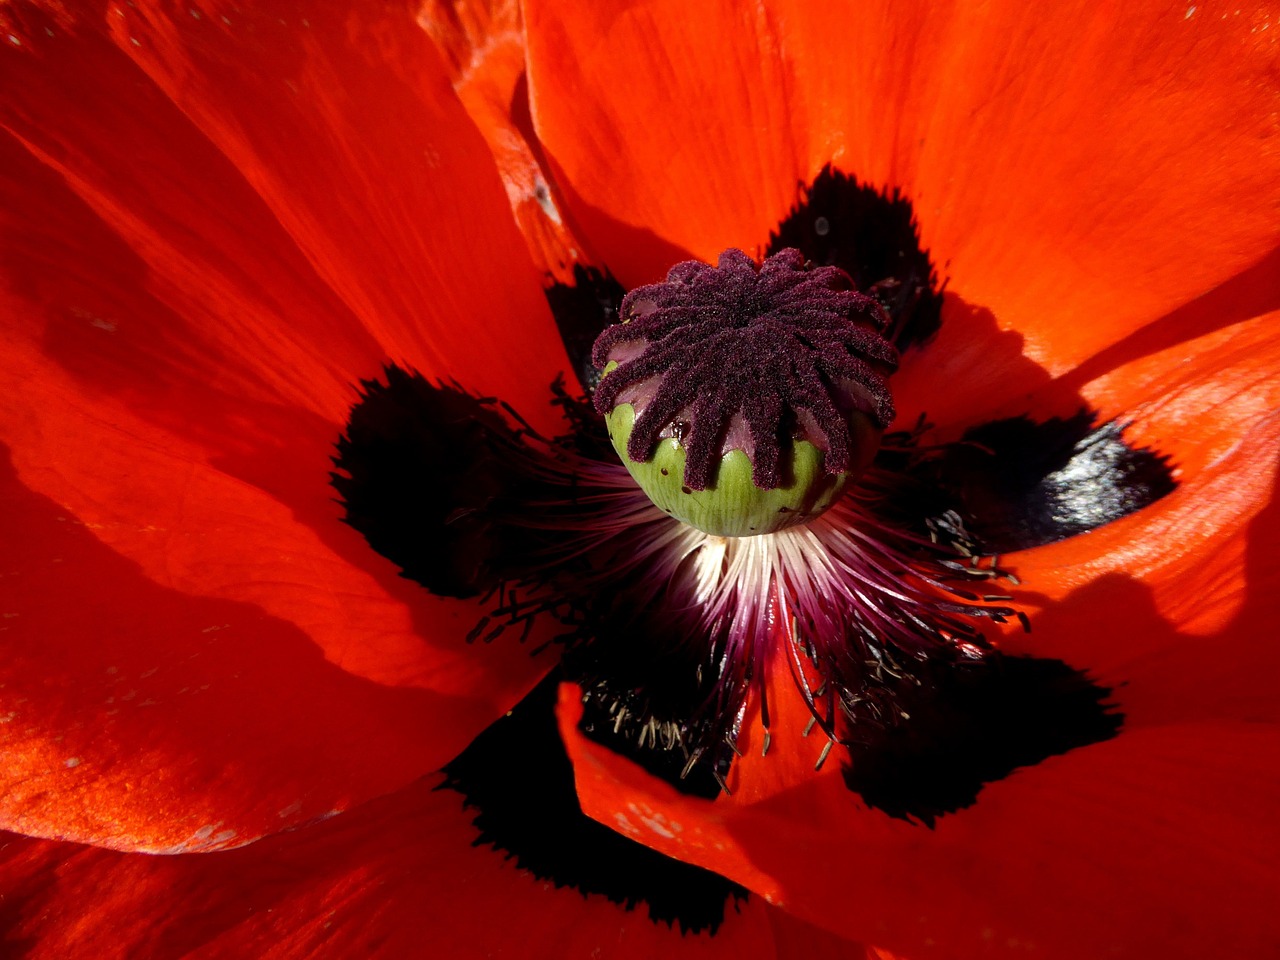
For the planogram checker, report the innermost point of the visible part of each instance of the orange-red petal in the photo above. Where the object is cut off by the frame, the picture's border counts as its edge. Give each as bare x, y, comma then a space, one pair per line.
396, 878
483, 47
1174, 605
1079, 171
1159, 843
214, 223
206, 137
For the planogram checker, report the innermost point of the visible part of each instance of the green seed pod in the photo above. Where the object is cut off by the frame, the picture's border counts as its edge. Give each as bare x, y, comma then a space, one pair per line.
732, 505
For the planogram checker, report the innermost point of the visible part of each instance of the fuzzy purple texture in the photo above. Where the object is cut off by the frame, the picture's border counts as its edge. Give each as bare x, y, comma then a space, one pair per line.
765, 341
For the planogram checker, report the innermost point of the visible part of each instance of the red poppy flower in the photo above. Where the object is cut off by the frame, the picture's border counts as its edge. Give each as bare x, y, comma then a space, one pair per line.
218, 223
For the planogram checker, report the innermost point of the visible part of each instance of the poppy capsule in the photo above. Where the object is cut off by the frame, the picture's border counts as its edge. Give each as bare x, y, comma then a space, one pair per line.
744, 398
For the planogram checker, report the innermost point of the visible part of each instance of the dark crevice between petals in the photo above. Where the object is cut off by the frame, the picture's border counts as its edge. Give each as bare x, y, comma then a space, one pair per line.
518, 778
1021, 484
581, 311
970, 724
872, 236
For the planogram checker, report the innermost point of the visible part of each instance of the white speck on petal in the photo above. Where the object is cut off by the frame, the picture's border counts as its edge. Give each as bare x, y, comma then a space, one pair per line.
655, 824
625, 825
542, 194
203, 839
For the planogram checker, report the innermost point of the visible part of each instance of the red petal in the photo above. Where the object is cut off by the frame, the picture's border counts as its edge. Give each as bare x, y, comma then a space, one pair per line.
247, 671
347, 132
1077, 174
210, 234
483, 46
1176, 602
1209, 404
988, 377
392, 879
1160, 843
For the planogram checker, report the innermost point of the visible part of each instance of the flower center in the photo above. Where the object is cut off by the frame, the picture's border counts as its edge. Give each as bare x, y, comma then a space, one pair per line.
744, 398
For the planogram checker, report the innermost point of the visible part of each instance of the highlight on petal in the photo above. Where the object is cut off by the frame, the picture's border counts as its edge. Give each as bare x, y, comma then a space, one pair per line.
380, 882
1186, 588
1059, 160
200, 651
1210, 402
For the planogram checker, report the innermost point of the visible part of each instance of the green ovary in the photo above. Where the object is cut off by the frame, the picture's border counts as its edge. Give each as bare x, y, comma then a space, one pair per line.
733, 506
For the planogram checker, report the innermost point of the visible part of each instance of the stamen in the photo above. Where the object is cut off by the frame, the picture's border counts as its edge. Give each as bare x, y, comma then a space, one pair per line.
826, 752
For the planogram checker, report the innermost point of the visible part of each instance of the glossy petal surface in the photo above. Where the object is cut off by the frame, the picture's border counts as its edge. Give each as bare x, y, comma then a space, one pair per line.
198, 651
1177, 601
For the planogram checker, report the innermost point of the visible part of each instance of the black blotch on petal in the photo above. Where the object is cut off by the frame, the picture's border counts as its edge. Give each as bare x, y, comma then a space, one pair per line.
667, 763
431, 476
642, 696
874, 238
1021, 484
417, 467
581, 311
970, 724
518, 778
